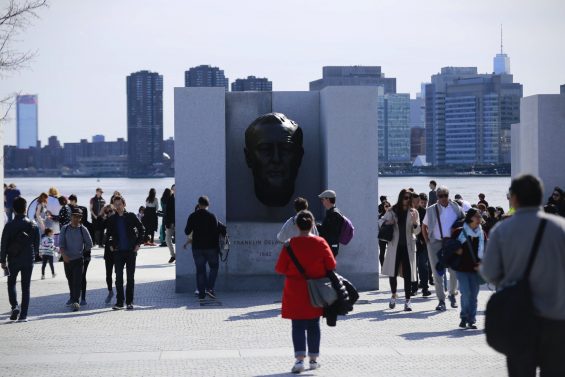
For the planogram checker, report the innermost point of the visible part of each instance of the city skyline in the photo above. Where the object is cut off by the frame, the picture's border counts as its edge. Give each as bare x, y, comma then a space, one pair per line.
98, 54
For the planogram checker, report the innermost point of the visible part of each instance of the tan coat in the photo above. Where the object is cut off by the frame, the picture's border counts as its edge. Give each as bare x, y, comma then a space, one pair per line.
411, 232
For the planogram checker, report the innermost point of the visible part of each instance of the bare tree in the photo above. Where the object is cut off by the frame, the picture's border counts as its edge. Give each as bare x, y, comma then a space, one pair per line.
14, 18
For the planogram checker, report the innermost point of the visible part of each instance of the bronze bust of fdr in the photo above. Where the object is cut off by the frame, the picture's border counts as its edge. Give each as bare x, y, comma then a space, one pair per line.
273, 152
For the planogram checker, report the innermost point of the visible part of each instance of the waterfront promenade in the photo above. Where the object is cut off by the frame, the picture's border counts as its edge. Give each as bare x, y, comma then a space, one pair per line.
171, 334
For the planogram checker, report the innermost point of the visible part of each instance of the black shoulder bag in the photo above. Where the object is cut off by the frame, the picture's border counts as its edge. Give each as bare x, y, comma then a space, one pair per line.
510, 322
322, 293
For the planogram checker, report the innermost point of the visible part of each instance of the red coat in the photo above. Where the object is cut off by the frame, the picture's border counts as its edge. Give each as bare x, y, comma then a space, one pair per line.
315, 256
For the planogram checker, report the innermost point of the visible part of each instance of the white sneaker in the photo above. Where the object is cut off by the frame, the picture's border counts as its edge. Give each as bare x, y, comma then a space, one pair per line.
196, 293
298, 367
407, 306
314, 364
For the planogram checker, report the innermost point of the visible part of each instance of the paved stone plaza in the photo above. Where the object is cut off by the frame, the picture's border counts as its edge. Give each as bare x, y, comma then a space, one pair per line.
171, 334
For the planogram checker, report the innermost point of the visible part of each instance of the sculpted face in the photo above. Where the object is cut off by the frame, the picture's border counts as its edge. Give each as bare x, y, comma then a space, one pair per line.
273, 152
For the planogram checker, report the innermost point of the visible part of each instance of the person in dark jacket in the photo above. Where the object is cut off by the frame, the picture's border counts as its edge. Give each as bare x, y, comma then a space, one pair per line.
169, 223
64, 216
330, 228
206, 230
105, 214
472, 239
127, 234
347, 296
97, 202
19, 246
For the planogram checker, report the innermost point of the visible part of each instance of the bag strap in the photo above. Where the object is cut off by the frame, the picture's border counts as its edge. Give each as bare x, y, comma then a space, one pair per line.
439, 222
293, 257
535, 248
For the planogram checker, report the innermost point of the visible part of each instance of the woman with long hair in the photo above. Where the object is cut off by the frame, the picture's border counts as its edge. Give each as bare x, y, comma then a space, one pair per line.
150, 217
41, 211
400, 257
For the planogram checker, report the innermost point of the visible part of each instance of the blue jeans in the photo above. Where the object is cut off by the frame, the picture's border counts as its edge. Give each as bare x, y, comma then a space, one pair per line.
206, 281
469, 288
301, 327
26, 271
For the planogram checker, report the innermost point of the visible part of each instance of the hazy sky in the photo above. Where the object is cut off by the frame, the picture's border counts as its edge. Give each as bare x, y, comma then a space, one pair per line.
87, 48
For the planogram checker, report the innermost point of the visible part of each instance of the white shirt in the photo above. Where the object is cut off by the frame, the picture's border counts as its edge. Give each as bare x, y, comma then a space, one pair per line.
466, 205
447, 216
290, 230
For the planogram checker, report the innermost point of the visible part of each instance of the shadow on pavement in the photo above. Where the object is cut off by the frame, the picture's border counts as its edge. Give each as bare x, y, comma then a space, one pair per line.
260, 314
454, 333
305, 373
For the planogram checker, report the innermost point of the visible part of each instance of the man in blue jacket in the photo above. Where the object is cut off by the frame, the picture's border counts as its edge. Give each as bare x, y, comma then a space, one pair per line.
19, 246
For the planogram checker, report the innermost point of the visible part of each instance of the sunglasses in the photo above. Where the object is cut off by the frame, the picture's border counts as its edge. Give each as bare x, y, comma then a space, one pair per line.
556, 194
407, 197
443, 196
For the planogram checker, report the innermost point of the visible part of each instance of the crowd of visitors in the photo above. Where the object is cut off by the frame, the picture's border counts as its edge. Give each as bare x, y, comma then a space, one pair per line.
427, 239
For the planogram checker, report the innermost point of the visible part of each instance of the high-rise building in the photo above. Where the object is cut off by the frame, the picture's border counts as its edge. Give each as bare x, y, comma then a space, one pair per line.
501, 62
468, 117
206, 76
562, 89
396, 128
252, 83
26, 109
417, 142
145, 122
354, 76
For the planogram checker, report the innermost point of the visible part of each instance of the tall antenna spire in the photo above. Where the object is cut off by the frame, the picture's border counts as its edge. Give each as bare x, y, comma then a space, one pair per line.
501, 39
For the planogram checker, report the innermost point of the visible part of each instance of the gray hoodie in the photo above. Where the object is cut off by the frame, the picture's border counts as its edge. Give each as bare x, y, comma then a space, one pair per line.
74, 241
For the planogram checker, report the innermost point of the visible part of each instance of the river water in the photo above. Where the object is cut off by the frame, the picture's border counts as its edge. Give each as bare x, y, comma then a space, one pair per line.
135, 190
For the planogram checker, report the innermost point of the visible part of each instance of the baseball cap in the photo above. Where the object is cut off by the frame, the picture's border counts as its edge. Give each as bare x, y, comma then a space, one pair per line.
328, 194
76, 211
99, 189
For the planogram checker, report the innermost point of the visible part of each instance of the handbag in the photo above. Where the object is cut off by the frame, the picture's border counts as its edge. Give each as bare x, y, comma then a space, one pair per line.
510, 322
386, 232
321, 292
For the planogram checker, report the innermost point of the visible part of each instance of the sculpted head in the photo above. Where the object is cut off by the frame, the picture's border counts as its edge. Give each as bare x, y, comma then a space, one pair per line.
273, 152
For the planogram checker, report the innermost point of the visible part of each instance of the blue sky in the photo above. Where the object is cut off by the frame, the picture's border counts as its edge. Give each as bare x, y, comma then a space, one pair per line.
86, 48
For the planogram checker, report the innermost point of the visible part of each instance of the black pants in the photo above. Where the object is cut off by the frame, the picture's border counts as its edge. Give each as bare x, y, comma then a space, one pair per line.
26, 271
127, 259
83, 284
382, 251
98, 225
47, 259
423, 264
547, 353
73, 272
109, 268
402, 259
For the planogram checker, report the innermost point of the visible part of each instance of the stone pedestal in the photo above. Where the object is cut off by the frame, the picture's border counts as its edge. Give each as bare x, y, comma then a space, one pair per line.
341, 151
537, 141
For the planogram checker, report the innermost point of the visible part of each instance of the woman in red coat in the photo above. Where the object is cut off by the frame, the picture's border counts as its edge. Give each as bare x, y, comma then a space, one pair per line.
315, 256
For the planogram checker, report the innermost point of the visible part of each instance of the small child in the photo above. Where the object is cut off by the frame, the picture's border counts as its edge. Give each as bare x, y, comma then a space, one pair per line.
47, 251
140, 213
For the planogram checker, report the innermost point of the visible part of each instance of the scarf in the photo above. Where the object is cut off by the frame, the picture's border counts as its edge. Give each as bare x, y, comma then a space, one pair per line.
477, 233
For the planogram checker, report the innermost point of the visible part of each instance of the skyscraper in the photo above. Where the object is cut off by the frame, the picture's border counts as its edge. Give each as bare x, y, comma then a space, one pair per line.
145, 122
207, 76
468, 117
354, 76
501, 62
252, 83
26, 109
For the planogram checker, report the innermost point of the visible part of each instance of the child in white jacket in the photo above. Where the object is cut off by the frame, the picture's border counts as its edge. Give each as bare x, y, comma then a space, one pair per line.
47, 250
